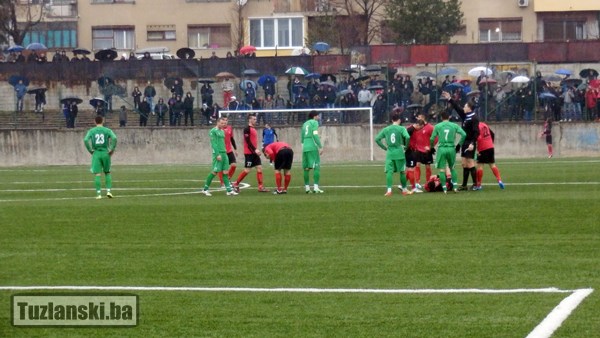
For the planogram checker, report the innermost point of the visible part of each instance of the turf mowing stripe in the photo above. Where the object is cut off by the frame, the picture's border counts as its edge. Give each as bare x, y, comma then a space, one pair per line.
558, 315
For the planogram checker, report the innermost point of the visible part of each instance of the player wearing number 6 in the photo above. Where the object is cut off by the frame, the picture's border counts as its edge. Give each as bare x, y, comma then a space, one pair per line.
446, 132
101, 143
396, 140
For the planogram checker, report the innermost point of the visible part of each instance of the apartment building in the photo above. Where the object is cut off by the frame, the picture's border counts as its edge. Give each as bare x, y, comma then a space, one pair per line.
280, 26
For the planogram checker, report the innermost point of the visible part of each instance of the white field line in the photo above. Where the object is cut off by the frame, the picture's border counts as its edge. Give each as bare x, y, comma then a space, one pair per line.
543, 330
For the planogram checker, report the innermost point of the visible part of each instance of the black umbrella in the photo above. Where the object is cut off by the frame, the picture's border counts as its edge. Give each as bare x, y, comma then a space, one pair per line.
250, 72
96, 101
69, 99
81, 51
375, 87
414, 106
373, 68
327, 77
588, 72
14, 79
206, 81
104, 81
37, 90
348, 70
185, 53
106, 55
170, 81
362, 78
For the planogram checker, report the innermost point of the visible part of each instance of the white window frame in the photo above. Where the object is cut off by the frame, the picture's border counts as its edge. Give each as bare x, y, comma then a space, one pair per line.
276, 30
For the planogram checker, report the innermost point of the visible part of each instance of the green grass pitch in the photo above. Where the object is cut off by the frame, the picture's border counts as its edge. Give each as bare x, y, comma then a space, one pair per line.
542, 231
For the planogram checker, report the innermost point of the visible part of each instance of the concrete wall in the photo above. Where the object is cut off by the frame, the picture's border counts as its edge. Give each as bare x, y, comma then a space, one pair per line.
342, 144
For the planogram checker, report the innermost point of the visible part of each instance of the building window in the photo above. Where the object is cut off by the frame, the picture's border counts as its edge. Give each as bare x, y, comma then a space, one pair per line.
119, 38
563, 30
282, 32
113, 1
161, 32
500, 30
53, 35
206, 36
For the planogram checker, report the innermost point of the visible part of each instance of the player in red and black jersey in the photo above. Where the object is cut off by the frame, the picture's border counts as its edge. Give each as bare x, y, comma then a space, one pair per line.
282, 155
423, 155
485, 154
251, 155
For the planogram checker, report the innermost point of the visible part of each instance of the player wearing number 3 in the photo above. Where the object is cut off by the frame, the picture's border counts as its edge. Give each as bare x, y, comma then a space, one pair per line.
101, 143
396, 140
446, 132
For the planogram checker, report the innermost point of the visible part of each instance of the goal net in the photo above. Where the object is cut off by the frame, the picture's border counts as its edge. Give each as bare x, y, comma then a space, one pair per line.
348, 130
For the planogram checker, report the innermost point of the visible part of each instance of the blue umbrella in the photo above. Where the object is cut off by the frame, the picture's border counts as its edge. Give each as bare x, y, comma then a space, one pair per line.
16, 48
266, 78
36, 46
453, 86
321, 46
448, 71
311, 76
14, 79
244, 84
562, 71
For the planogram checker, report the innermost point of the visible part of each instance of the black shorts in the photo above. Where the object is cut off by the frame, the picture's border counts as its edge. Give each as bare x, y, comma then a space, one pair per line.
411, 158
424, 157
231, 157
548, 139
284, 159
467, 153
486, 156
251, 160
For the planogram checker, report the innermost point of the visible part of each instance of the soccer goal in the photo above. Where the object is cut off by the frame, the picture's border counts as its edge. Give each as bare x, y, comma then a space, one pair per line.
340, 125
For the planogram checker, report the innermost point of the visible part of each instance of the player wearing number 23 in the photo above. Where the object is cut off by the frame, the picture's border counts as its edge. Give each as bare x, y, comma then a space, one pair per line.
101, 143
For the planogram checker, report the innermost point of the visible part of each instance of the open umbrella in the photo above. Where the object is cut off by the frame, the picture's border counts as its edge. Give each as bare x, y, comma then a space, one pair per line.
296, 71
473, 93
311, 76
81, 51
250, 72
414, 106
562, 71
244, 84
69, 99
266, 78
477, 71
170, 81
344, 92
36, 90
247, 49
14, 79
506, 73
348, 70
547, 95
464, 82
373, 68
588, 72
552, 78
362, 78
106, 55
296, 88
448, 71
573, 82
36, 46
453, 86
425, 74
328, 77
321, 46
375, 87
97, 101
328, 84
520, 79
206, 81
225, 75
488, 81
15, 49
185, 53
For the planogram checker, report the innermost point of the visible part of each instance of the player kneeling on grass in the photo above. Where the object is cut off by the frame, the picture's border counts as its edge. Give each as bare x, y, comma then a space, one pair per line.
282, 155
445, 132
220, 161
434, 184
396, 140
485, 147
101, 143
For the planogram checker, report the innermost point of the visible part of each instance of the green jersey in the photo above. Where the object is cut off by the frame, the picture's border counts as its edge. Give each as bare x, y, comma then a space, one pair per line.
396, 140
309, 137
101, 139
217, 141
446, 133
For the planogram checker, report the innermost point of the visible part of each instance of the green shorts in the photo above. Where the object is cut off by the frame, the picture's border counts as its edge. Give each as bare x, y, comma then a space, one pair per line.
395, 165
222, 165
311, 159
100, 162
445, 156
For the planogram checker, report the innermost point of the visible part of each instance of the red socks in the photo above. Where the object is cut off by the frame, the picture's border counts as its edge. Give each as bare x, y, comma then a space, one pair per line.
496, 173
288, 178
479, 177
418, 174
220, 174
241, 177
278, 180
231, 171
259, 179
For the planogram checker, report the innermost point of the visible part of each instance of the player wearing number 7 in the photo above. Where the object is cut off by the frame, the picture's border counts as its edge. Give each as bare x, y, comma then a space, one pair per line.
446, 132
101, 143
396, 140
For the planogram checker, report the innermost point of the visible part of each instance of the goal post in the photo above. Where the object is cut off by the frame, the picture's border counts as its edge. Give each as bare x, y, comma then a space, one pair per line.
349, 118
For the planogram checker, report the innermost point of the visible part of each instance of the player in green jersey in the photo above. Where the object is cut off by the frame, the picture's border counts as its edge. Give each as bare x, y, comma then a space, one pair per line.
101, 143
396, 140
312, 149
445, 132
220, 161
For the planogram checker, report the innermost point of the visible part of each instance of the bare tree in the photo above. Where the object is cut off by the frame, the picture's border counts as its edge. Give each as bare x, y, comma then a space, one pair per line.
238, 30
371, 14
11, 11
